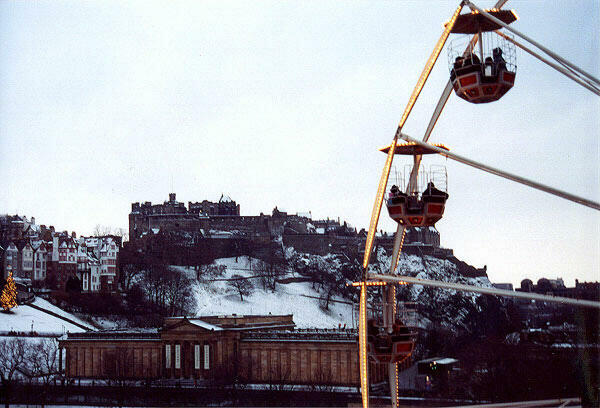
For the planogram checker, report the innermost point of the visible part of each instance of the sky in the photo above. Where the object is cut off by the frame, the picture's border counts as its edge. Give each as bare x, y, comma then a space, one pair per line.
286, 104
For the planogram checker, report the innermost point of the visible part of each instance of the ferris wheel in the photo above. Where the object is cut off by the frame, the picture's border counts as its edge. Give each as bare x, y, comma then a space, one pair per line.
483, 68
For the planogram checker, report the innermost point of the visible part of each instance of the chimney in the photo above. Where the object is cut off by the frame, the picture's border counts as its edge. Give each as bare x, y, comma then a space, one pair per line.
33, 220
172, 197
73, 234
54, 247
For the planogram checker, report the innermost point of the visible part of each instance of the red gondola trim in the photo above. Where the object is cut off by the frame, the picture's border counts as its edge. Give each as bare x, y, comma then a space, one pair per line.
403, 347
508, 77
468, 80
394, 210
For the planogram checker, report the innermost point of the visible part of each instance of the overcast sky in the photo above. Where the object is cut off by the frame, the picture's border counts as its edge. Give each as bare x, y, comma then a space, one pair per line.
286, 103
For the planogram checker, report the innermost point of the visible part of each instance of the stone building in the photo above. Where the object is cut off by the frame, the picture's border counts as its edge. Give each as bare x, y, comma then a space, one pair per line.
224, 207
248, 349
146, 218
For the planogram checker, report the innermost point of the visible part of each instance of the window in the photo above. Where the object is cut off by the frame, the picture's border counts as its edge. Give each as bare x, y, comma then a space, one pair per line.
168, 356
177, 356
197, 356
206, 357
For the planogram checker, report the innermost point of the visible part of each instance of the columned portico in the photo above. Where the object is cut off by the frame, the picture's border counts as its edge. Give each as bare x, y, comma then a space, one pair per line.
198, 350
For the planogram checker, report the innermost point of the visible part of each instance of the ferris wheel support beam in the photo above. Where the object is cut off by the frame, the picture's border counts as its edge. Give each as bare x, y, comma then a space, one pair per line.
512, 177
487, 291
362, 335
568, 73
557, 57
411, 103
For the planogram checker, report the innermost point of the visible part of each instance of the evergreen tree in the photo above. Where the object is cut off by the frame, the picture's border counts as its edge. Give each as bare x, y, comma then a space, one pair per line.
8, 298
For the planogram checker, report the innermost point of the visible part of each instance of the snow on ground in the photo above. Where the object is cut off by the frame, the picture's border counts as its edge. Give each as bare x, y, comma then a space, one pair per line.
219, 298
108, 323
55, 309
25, 319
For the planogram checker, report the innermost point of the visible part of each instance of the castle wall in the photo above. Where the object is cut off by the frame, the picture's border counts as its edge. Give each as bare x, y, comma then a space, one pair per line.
322, 244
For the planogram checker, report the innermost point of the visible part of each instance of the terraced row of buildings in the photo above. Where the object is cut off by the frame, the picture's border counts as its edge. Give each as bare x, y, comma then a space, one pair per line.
40, 256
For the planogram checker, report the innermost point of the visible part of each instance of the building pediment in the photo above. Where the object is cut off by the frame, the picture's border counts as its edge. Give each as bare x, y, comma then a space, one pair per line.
185, 325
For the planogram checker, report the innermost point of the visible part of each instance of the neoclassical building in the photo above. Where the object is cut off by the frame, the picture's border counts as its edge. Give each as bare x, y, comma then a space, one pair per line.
247, 349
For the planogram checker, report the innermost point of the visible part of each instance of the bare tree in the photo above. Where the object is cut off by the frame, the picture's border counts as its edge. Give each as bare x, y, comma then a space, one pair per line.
42, 358
269, 272
12, 358
121, 232
131, 265
178, 293
209, 272
242, 285
101, 230
168, 289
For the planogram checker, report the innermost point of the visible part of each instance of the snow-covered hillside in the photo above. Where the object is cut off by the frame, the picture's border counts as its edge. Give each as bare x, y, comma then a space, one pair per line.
219, 298
25, 318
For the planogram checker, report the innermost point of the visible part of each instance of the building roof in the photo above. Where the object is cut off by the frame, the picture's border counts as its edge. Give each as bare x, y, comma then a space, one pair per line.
128, 334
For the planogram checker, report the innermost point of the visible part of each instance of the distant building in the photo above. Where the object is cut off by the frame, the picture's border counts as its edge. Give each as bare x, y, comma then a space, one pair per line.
10, 262
15, 228
556, 287
423, 235
40, 260
503, 286
225, 206
43, 257
223, 349
146, 218
539, 313
88, 268
62, 264
102, 255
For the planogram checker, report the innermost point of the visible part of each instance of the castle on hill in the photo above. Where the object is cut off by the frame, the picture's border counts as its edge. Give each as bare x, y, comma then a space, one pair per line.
222, 220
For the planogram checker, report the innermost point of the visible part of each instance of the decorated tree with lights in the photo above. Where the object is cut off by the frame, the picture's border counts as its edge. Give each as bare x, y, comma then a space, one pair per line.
8, 298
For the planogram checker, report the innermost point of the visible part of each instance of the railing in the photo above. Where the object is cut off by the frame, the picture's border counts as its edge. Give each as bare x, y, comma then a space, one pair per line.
350, 335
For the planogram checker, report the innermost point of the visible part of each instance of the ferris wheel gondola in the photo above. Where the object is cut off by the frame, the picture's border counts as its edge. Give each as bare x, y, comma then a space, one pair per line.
485, 74
418, 207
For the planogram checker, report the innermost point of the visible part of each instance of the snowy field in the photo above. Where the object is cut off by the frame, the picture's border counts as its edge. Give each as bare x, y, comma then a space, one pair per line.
55, 309
25, 319
219, 298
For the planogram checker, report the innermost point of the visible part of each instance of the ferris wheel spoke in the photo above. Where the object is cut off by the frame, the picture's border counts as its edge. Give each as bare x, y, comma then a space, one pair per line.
487, 291
398, 243
538, 186
557, 57
563, 69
